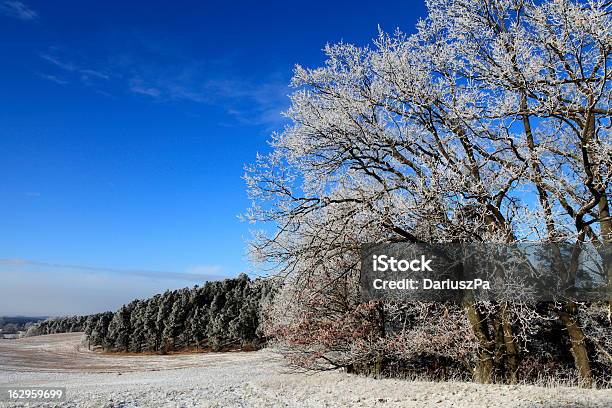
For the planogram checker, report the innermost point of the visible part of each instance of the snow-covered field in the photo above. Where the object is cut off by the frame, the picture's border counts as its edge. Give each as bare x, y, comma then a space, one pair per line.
256, 379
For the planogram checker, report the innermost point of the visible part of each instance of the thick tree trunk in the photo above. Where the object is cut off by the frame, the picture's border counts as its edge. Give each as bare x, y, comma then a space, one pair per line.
577, 338
483, 372
605, 224
512, 356
378, 364
578, 341
500, 347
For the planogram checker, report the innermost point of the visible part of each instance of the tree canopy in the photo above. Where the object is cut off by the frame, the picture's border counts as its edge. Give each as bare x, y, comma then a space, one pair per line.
490, 124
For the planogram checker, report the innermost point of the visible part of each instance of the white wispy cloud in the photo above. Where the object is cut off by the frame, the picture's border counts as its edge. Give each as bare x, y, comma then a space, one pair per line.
88, 73
53, 78
247, 101
69, 68
17, 9
137, 86
164, 75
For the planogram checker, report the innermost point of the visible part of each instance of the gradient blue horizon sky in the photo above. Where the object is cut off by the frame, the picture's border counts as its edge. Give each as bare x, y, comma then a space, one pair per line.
124, 130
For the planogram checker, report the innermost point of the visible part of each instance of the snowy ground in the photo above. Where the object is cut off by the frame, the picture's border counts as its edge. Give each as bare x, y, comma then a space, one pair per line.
256, 379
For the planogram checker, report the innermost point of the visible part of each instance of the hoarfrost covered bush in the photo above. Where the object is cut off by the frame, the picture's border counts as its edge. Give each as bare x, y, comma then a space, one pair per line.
490, 124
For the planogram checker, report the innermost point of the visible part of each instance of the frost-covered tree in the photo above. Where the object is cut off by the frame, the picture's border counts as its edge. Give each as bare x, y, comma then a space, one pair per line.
174, 325
137, 326
150, 324
163, 315
490, 124
96, 328
119, 330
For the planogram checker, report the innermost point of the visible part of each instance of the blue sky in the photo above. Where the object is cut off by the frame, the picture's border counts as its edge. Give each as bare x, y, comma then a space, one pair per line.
124, 129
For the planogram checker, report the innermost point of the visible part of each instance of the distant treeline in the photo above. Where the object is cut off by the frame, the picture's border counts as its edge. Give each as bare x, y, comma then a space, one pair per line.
16, 324
54, 325
216, 316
